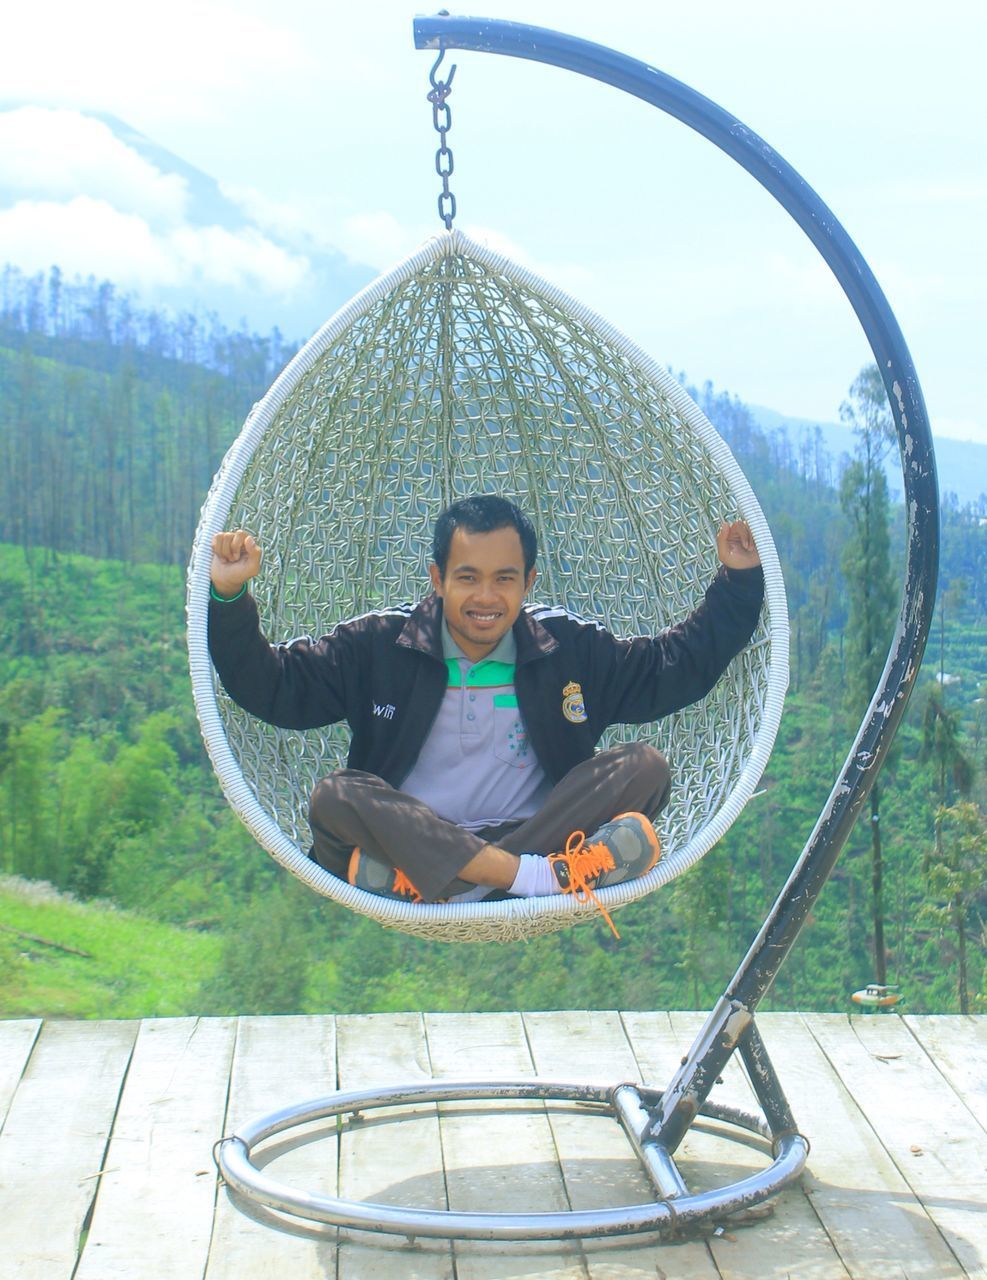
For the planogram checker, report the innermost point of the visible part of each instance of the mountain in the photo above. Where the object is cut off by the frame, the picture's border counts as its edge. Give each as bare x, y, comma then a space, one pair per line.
961, 464
207, 204
89, 193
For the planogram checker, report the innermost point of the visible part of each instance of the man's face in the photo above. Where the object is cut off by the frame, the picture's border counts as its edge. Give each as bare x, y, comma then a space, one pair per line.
483, 588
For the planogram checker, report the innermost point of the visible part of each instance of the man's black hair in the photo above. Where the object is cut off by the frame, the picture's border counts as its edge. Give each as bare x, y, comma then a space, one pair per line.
483, 513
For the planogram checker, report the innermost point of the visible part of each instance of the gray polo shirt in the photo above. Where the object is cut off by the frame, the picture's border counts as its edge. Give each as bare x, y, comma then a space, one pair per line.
476, 767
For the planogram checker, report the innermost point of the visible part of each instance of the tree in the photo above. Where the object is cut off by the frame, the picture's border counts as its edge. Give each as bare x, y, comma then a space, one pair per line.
27, 799
942, 745
264, 967
699, 904
866, 564
957, 880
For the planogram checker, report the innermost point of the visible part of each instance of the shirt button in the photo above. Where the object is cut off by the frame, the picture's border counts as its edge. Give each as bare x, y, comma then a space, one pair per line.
472, 697
470, 715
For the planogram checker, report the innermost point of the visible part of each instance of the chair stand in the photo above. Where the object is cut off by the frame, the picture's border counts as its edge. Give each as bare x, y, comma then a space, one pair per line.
636, 1108
657, 1122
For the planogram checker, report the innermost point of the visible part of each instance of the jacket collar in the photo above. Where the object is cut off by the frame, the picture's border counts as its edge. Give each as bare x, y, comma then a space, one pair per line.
423, 631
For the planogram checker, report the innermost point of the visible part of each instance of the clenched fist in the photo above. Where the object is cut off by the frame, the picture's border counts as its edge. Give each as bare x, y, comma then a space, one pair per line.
735, 545
235, 560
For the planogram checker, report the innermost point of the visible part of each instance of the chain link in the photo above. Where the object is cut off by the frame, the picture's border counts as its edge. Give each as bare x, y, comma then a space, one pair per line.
442, 120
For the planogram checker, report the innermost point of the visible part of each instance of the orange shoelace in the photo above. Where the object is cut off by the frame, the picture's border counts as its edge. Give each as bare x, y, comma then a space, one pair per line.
586, 862
404, 886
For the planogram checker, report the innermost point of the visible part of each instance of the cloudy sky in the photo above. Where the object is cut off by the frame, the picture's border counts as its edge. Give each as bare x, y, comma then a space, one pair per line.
311, 116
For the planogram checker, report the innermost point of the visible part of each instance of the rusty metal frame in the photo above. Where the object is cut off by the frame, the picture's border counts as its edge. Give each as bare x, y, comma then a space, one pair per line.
730, 1023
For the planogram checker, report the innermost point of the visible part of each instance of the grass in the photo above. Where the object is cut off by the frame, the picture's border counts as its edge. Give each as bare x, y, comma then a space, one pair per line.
131, 967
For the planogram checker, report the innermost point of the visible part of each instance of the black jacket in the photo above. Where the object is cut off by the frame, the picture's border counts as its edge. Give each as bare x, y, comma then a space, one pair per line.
385, 675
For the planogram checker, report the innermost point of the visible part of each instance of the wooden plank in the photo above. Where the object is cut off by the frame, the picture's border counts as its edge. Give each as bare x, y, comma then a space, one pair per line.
925, 1127
865, 1204
865, 1091
505, 1160
17, 1039
790, 1240
390, 1163
958, 1047
54, 1140
278, 1062
600, 1167
154, 1209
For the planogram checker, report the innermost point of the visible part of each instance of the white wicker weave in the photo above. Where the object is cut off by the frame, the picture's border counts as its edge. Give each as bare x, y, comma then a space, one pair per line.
460, 372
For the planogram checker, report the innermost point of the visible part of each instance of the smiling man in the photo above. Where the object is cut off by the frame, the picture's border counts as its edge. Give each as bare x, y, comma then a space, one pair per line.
483, 587
475, 717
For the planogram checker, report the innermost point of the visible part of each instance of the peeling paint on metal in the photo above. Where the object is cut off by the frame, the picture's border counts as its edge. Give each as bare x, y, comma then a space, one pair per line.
735, 1026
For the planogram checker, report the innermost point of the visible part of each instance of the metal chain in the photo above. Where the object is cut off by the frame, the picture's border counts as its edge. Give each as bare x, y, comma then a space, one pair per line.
442, 119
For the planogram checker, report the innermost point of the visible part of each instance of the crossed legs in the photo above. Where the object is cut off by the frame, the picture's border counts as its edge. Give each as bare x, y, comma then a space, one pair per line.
350, 808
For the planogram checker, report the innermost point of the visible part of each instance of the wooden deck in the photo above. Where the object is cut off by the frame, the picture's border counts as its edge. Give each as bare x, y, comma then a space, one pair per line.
106, 1170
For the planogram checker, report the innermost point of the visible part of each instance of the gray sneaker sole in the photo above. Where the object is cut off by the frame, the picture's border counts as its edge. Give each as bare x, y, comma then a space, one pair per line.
374, 876
632, 851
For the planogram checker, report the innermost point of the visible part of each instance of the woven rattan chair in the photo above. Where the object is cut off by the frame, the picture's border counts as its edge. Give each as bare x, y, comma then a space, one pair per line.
460, 372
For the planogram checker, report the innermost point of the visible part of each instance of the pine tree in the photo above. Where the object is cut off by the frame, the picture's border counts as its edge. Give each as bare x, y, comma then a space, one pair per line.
866, 564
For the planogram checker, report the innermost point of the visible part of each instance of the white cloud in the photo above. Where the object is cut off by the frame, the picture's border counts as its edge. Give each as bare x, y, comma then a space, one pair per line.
113, 54
85, 200
244, 259
374, 237
292, 220
570, 276
377, 238
89, 237
86, 237
62, 154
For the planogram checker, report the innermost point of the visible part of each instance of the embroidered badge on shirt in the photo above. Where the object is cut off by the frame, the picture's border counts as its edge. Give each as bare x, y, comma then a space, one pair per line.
573, 707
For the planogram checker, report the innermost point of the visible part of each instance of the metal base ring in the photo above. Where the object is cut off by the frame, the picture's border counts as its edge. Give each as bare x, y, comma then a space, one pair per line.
671, 1213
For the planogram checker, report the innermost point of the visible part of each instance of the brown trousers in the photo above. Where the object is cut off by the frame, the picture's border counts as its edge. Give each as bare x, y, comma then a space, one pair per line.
350, 809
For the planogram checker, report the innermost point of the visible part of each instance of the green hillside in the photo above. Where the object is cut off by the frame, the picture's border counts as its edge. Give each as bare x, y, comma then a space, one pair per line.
108, 440
60, 958
105, 791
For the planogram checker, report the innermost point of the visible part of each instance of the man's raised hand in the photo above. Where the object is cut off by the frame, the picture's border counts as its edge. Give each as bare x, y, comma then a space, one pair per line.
235, 560
735, 545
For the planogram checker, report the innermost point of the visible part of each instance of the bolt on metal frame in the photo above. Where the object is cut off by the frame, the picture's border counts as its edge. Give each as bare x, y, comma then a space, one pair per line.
657, 1121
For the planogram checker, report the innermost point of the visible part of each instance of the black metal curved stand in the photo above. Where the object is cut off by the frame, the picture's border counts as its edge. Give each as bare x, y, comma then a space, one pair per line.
730, 1019
657, 1122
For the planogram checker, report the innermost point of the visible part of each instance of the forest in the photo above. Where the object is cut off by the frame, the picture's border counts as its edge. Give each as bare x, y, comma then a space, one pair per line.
112, 422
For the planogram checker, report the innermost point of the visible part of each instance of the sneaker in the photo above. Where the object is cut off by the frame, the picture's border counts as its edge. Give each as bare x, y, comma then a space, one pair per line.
374, 876
622, 849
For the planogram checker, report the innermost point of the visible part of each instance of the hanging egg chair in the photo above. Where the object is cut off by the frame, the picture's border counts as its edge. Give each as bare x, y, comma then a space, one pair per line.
459, 372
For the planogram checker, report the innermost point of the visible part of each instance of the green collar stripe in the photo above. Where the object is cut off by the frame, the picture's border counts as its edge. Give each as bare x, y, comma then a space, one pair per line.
485, 675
